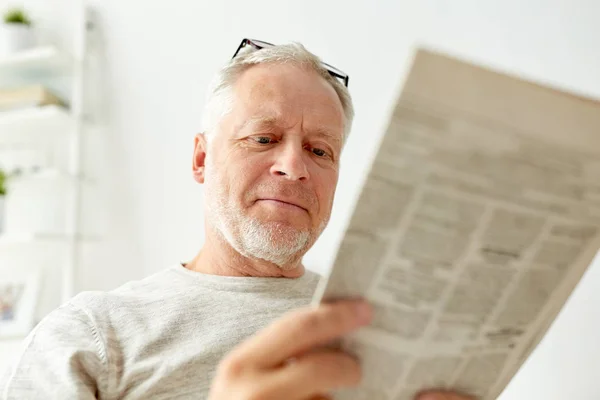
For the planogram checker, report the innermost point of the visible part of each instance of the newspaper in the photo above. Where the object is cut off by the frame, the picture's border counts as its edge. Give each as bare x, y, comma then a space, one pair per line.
479, 216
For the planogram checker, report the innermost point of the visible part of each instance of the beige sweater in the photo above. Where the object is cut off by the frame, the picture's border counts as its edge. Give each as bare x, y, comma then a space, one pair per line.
158, 338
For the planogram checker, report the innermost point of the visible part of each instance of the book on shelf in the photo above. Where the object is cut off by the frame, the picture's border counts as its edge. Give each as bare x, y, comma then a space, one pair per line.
26, 97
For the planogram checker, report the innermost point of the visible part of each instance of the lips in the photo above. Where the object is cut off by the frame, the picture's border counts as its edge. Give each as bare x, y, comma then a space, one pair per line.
292, 196
284, 202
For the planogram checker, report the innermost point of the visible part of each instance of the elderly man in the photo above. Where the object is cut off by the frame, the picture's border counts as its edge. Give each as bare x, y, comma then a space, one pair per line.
275, 123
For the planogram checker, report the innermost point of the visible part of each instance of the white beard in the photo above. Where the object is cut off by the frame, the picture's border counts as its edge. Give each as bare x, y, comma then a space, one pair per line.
271, 241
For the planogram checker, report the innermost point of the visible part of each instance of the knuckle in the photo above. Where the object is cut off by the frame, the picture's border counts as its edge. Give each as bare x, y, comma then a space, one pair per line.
234, 375
336, 314
310, 321
231, 367
348, 369
325, 316
333, 370
263, 389
258, 393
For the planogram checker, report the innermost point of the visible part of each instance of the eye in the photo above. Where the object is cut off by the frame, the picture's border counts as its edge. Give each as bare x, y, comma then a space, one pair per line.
262, 139
319, 152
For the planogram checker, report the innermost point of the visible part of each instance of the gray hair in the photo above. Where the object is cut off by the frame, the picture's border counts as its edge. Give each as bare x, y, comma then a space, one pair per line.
220, 97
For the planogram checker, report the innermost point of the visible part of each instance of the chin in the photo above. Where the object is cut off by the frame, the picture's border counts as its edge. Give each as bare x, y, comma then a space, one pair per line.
286, 225
277, 242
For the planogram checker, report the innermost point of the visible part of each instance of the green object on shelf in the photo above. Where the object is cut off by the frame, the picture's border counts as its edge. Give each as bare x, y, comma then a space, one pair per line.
16, 16
2, 183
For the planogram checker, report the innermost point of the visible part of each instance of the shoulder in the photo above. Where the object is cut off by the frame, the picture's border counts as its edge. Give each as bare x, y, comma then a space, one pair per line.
131, 293
91, 312
64, 351
83, 317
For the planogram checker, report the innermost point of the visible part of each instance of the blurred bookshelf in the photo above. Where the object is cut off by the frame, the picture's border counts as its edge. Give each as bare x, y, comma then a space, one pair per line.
34, 124
41, 127
33, 63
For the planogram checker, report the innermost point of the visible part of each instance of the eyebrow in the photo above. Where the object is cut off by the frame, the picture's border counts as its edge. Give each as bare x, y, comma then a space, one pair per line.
273, 122
260, 121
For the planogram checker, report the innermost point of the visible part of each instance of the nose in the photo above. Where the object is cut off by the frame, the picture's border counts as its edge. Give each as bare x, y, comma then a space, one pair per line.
290, 163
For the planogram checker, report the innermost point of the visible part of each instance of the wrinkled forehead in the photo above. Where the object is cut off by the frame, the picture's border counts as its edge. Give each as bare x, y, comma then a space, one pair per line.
286, 95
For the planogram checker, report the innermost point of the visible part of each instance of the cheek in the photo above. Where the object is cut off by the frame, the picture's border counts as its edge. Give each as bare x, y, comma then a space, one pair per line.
325, 184
244, 172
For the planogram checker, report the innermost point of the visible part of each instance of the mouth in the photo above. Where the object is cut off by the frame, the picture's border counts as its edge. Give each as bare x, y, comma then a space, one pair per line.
283, 204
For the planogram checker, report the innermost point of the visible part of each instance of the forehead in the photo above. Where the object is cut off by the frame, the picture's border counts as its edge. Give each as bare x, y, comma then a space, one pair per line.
288, 94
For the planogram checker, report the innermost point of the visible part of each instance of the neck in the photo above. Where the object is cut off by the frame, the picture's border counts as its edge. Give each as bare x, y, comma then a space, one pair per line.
217, 257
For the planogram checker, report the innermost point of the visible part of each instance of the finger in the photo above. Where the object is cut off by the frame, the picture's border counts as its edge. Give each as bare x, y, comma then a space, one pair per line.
302, 330
443, 395
321, 397
316, 373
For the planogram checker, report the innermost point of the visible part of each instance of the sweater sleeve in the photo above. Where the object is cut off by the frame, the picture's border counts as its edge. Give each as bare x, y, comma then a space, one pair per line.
63, 357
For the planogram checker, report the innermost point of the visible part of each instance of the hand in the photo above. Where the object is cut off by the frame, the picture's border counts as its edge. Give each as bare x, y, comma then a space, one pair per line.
284, 360
443, 395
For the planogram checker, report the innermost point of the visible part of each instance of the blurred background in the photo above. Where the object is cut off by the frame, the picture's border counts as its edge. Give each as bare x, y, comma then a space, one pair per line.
98, 163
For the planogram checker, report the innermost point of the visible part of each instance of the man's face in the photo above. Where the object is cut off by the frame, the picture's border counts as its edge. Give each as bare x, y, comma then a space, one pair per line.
272, 164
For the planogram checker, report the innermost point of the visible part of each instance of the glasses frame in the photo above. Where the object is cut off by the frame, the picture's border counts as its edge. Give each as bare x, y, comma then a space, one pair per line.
259, 44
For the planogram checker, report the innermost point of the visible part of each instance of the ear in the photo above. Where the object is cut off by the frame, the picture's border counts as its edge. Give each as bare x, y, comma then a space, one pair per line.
198, 166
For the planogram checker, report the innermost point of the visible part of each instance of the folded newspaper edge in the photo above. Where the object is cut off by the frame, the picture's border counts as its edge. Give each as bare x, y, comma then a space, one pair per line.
478, 218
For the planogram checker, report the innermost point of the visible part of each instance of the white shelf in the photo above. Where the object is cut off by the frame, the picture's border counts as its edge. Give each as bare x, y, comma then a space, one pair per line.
46, 173
33, 238
32, 125
40, 62
25, 238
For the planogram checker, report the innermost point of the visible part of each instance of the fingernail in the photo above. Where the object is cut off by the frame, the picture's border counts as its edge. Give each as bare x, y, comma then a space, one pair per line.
365, 312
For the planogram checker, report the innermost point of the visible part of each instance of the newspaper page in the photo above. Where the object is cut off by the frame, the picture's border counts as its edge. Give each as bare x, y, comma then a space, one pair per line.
479, 216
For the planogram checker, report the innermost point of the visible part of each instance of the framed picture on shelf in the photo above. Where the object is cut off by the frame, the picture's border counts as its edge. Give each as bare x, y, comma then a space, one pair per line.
19, 293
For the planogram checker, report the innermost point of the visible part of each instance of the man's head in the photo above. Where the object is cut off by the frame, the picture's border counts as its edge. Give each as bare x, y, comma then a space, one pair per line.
274, 127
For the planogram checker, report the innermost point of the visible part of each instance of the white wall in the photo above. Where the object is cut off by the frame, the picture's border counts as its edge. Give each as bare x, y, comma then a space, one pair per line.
160, 55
